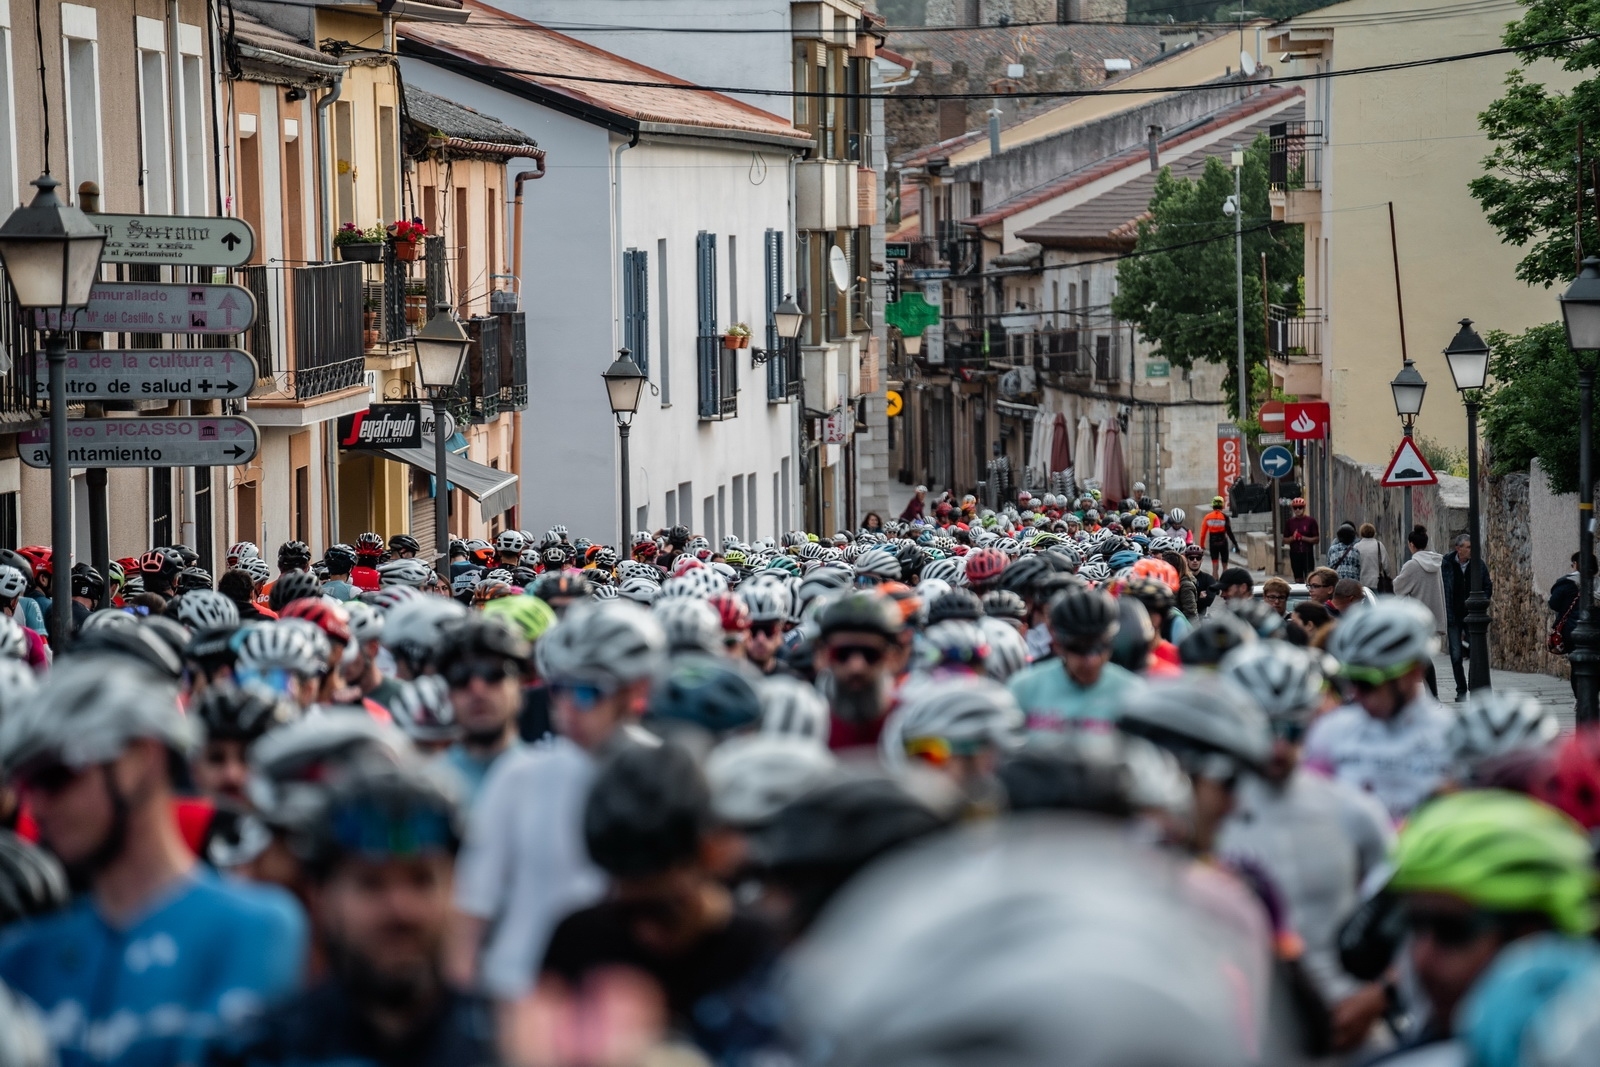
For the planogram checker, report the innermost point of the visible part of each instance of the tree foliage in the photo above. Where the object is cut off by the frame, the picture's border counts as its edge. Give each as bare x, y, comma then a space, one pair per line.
1179, 287
1529, 190
1532, 410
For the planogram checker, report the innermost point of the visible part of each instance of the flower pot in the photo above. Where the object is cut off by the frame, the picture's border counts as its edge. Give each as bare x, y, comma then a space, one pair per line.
734, 341
361, 251
369, 337
406, 251
416, 309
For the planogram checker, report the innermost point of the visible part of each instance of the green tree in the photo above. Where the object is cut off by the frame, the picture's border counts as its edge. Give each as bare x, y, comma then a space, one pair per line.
1532, 410
1179, 288
1529, 188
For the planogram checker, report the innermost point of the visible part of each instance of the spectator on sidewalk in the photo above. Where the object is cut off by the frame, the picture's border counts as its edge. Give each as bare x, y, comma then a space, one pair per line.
1320, 583
1275, 593
913, 510
1343, 556
1347, 592
1420, 579
1304, 535
1457, 578
1564, 607
1236, 584
1374, 557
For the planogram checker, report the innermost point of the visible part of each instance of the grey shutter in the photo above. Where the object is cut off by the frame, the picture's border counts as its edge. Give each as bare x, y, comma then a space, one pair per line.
777, 347
707, 342
636, 306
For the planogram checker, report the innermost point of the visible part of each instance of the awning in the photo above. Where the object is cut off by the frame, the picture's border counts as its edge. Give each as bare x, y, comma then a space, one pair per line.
494, 490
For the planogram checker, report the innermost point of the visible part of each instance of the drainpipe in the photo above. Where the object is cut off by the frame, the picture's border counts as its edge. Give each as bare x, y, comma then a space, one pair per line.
800, 469
324, 165
616, 240
537, 155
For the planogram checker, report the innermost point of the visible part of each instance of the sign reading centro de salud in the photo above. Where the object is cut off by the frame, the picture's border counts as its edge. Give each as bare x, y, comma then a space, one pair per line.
153, 374
180, 240
141, 442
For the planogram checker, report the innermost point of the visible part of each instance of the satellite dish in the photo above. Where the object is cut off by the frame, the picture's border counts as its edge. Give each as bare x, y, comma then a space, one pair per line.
1247, 63
839, 267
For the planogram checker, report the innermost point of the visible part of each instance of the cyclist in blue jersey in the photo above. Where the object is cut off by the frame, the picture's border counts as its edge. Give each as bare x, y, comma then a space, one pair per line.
159, 956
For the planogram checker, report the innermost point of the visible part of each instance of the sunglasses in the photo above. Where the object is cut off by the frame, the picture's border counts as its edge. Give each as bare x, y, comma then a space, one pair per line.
1103, 648
51, 778
1292, 732
1451, 929
585, 696
766, 629
460, 675
939, 751
842, 654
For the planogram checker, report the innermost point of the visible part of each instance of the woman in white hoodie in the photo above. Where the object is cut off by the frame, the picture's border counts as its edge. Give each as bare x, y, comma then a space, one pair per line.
1420, 577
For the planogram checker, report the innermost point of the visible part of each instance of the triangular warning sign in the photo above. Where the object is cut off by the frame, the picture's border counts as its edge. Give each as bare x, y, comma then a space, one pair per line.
1408, 467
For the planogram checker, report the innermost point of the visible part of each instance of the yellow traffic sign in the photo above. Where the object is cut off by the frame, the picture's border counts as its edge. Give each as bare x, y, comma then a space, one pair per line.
894, 405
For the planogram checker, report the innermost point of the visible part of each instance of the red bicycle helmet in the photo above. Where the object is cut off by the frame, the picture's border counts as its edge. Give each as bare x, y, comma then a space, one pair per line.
984, 566
731, 612
1572, 781
326, 615
369, 544
645, 551
40, 558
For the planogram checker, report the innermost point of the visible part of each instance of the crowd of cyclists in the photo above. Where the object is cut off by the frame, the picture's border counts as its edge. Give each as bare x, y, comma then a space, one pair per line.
1002, 787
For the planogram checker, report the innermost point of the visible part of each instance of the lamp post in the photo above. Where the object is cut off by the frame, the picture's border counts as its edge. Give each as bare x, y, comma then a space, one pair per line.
624, 382
441, 348
1408, 388
51, 252
1235, 207
1468, 357
1580, 311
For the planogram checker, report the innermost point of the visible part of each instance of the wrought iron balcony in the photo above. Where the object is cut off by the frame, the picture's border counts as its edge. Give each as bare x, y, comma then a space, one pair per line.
513, 361
1294, 335
1294, 159
307, 340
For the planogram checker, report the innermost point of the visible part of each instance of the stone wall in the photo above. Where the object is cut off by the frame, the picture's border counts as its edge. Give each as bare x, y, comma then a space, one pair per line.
1519, 620
1357, 497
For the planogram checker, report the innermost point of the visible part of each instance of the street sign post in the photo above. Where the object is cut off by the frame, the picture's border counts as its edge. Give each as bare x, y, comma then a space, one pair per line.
140, 307
179, 240
139, 442
1276, 461
1407, 468
154, 374
1307, 421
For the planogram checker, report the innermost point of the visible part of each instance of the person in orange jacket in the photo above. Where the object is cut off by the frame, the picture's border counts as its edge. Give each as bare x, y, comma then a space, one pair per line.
1217, 532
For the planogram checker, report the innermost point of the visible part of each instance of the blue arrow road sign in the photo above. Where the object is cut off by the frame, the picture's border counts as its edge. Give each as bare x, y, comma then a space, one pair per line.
1276, 461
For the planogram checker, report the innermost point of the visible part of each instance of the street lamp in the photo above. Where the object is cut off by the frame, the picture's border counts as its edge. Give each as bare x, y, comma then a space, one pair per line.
911, 342
624, 382
1580, 310
51, 253
1408, 388
787, 319
441, 348
1236, 203
1468, 357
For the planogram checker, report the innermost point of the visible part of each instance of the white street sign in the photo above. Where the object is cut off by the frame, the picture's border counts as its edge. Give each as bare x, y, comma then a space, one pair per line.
140, 442
140, 307
152, 374
189, 240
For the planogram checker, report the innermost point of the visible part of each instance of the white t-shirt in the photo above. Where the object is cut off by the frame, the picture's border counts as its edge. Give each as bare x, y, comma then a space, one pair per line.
1400, 761
524, 866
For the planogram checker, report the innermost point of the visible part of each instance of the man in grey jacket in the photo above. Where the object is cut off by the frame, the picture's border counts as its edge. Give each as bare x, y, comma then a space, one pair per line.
1457, 582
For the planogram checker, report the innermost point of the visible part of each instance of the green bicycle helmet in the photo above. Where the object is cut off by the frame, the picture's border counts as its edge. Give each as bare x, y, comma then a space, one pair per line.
526, 614
1502, 852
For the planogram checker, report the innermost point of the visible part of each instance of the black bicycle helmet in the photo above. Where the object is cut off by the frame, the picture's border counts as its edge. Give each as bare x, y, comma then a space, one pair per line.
647, 809
1136, 636
861, 613
956, 604
341, 559
188, 555
1083, 616
1153, 593
32, 881
1020, 577
87, 582
192, 578
122, 634
10, 557
911, 559
291, 586
1214, 637
678, 536
559, 585
404, 543
709, 692
1004, 604
229, 714
293, 554
482, 637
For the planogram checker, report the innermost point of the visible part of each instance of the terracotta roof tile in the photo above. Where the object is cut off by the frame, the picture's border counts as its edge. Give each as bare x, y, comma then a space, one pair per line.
526, 52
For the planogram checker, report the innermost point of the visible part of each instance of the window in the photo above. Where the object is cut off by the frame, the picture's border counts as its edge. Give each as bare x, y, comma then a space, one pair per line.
190, 150
733, 279
458, 226
805, 81
294, 219
719, 384
738, 506
861, 266
154, 135
672, 508
161, 524
685, 504
708, 511
344, 153
858, 110
250, 205
750, 483
8, 116
491, 230
782, 479
664, 376
722, 514
636, 306
777, 516
782, 378
388, 164
812, 330
81, 72
10, 520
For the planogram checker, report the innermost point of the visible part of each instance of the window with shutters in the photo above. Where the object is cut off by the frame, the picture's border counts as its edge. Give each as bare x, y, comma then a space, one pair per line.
718, 378
782, 375
636, 306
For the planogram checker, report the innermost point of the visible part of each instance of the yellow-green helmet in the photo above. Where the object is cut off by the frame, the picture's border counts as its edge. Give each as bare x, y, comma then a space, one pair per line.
528, 615
1501, 852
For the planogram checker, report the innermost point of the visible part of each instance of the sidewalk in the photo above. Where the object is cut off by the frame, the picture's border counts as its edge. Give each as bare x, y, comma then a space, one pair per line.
1553, 693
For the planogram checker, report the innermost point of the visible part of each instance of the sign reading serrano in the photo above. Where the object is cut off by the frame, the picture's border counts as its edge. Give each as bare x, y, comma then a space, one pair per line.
153, 374
382, 426
193, 240
139, 307
142, 442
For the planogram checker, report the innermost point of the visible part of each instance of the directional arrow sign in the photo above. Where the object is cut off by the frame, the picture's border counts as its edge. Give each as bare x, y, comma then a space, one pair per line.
192, 240
136, 307
139, 442
153, 374
1276, 461
1408, 467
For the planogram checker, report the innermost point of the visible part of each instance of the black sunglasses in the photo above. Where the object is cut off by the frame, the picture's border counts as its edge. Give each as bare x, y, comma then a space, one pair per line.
845, 653
1451, 929
766, 629
459, 675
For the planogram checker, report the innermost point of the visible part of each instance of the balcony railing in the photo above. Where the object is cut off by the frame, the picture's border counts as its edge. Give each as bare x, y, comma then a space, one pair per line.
18, 406
308, 335
1294, 334
513, 361
1294, 159
480, 383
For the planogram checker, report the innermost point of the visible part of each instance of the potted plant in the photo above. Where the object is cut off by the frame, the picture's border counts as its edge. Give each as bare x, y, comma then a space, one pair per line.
406, 236
359, 245
737, 336
416, 303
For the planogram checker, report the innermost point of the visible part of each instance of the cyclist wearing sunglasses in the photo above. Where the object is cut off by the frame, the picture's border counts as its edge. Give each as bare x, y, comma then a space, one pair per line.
484, 663
1079, 681
1317, 838
1393, 739
863, 648
1475, 872
768, 603
523, 866
158, 955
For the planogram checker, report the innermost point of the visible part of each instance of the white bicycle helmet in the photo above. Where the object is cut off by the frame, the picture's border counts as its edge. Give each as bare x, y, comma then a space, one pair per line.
206, 609
690, 623
13, 640
13, 583
630, 568
1382, 638
256, 568
242, 550
791, 708
1008, 651
1494, 723
282, 646
1175, 517
409, 572
511, 541
413, 629
754, 776
958, 712
700, 583
1288, 681
88, 709
423, 711
611, 642
879, 563
385, 600
641, 591
766, 601
948, 570
366, 621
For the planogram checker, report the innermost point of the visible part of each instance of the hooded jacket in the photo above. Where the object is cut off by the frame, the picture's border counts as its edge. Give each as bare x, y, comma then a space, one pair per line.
1420, 578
